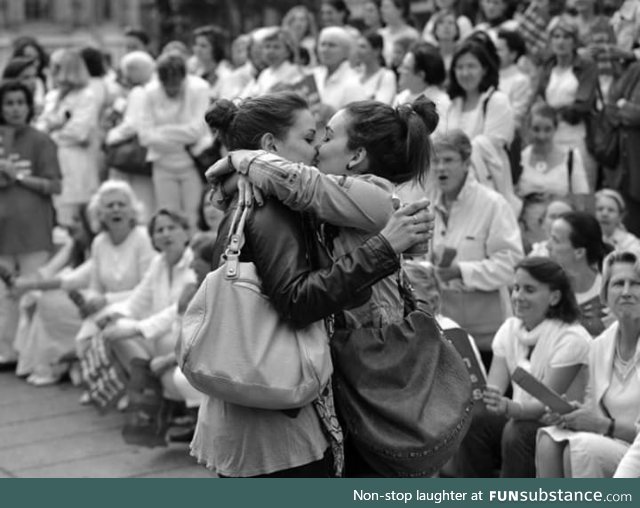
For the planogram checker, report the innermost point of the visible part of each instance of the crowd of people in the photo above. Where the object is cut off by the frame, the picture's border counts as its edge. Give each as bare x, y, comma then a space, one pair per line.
506, 130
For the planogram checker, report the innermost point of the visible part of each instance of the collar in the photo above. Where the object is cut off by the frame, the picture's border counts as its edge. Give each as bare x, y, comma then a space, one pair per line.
185, 260
339, 72
467, 190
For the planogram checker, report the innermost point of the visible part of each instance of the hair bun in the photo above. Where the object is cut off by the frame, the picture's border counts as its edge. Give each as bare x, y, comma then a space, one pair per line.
427, 111
221, 114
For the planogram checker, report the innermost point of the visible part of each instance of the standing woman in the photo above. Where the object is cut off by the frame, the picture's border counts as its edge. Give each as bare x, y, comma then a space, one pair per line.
173, 129
29, 47
423, 73
395, 14
610, 212
70, 117
479, 109
590, 441
302, 24
209, 53
463, 24
568, 84
576, 243
29, 177
379, 82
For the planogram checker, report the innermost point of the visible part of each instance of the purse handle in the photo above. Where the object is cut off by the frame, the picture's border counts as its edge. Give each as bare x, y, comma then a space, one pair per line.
235, 242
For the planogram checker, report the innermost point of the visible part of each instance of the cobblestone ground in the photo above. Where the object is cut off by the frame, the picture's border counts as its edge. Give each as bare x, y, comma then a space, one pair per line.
45, 432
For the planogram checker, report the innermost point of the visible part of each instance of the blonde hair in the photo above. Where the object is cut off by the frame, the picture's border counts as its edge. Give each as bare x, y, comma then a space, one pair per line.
68, 69
96, 210
312, 28
616, 257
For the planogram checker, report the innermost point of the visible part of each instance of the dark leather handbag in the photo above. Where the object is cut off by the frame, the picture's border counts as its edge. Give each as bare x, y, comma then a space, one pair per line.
128, 156
404, 395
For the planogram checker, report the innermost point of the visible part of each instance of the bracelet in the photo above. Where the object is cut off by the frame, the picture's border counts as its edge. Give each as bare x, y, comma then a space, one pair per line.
611, 429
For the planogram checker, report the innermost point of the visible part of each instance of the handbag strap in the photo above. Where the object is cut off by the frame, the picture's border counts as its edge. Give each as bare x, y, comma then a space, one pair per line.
234, 242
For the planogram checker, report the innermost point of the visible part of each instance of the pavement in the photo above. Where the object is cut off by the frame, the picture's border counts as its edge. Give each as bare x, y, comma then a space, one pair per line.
46, 433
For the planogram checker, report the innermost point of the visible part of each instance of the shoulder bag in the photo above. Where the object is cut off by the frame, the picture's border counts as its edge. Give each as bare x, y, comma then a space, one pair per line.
128, 156
235, 346
404, 394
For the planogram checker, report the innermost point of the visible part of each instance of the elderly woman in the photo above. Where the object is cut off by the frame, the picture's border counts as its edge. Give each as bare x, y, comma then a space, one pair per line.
137, 70
590, 441
576, 243
610, 211
29, 177
141, 326
120, 256
70, 117
568, 84
172, 127
545, 339
338, 84
477, 226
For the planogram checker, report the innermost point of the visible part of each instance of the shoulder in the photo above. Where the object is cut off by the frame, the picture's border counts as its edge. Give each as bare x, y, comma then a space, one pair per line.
376, 181
141, 236
573, 332
38, 136
489, 196
497, 99
603, 341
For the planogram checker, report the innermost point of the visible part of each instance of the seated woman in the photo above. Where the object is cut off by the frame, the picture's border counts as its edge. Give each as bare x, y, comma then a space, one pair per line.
546, 339
610, 212
120, 256
552, 211
49, 320
590, 441
141, 326
576, 244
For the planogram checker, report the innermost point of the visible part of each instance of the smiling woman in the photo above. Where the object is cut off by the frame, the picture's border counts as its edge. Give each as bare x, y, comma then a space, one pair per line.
545, 339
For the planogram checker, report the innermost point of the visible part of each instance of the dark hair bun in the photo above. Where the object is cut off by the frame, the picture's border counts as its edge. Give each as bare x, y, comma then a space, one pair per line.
427, 111
221, 115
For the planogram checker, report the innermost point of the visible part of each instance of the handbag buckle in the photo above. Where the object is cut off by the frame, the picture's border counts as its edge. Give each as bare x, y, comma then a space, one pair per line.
232, 256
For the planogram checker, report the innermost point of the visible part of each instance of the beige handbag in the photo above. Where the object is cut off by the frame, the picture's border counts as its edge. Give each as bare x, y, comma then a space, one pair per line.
237, 348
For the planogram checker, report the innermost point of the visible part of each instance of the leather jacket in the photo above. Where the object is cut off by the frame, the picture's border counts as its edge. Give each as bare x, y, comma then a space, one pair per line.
297, 274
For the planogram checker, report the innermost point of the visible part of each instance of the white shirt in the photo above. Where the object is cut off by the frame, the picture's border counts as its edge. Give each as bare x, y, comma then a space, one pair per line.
380, 86
552, 180
559, 345
340, 88
436, 94
286, 73
154, 301
517, 85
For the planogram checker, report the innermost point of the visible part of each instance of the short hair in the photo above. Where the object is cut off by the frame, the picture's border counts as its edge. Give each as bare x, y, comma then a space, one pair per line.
140, 60
456, 141
341, 35
285, 37
547, 271
565, 23
586, 234
615, 196
110, 186
429, 61
176, 217
545, 111
15, 85
396, 139
487, 61
170, 66
69, 69
137, 33
514, 41
614, 258
94, 60
217, 39
241, 126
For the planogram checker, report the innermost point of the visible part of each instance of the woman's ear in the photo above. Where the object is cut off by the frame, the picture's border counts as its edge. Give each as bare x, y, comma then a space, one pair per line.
268, 143
358, 159
555, 298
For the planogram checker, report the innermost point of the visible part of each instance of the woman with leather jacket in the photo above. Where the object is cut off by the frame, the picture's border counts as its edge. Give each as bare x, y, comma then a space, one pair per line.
304, 287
